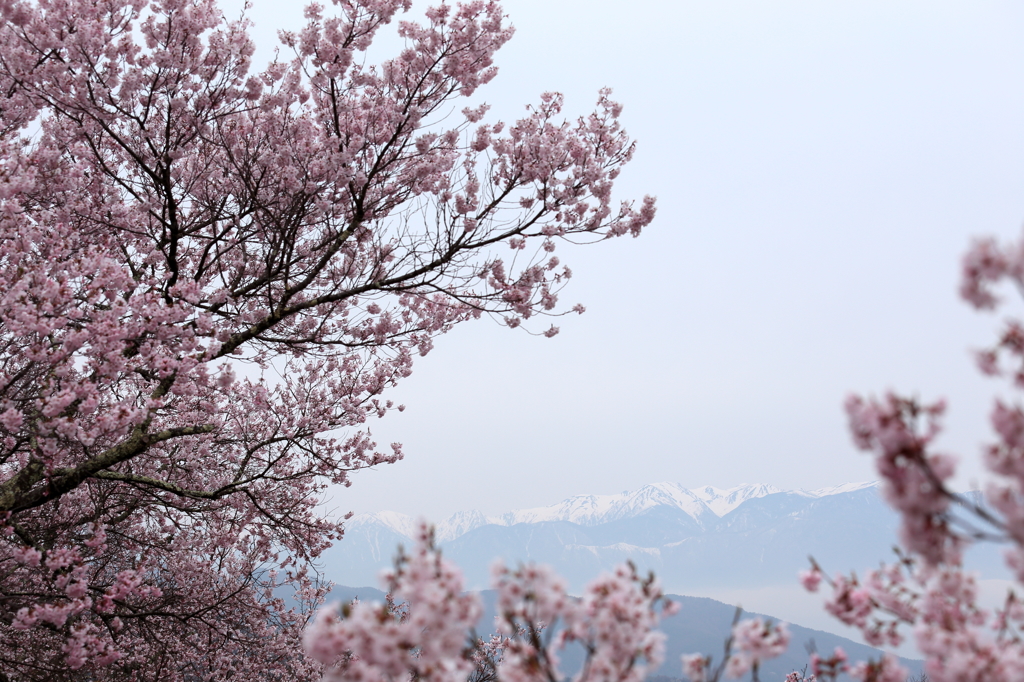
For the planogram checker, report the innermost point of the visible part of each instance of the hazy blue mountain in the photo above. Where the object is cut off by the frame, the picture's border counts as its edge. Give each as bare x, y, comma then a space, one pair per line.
703, 624
747, 536
742, 545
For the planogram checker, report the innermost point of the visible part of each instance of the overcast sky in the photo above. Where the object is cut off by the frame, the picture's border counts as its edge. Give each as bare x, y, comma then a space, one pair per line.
820, 168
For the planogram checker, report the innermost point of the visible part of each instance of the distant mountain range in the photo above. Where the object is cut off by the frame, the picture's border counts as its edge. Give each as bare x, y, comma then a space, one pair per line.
693, 539
701, 504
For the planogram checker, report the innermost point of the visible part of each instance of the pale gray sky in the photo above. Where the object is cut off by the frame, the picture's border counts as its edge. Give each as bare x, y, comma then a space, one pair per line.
820, 168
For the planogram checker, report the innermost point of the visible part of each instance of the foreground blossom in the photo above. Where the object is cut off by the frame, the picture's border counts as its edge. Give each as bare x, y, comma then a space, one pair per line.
927, 594
429, 635
750, 643
377, 642
755, 641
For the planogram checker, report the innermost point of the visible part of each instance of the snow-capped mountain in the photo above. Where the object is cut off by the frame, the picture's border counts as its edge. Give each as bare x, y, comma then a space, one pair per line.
402, 524
708, 537
721, 502
458, 524
593, 510
704, 505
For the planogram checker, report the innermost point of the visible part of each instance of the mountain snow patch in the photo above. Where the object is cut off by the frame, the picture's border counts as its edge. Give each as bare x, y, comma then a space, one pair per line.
703, 504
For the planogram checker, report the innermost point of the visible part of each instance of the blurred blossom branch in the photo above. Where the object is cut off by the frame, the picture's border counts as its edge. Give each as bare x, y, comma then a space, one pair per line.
927, 590
614, 621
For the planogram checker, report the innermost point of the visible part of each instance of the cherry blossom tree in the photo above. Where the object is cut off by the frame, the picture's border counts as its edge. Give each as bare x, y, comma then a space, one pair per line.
927, 591
209, 276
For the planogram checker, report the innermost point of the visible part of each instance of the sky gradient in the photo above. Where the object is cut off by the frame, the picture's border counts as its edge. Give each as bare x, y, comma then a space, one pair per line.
820, 169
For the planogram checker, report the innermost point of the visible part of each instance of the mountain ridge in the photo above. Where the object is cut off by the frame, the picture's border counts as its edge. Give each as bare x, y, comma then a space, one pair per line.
763, 540
704, 504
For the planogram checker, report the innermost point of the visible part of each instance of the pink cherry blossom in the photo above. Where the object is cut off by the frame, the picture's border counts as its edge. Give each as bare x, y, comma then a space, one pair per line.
695, 667
210, 273
426, 637
810, 579
927, 594
754, 641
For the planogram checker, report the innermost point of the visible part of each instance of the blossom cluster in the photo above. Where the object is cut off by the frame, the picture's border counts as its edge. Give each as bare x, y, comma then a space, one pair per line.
376, 642
210, 273
430, 635
751, 642
927, 591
